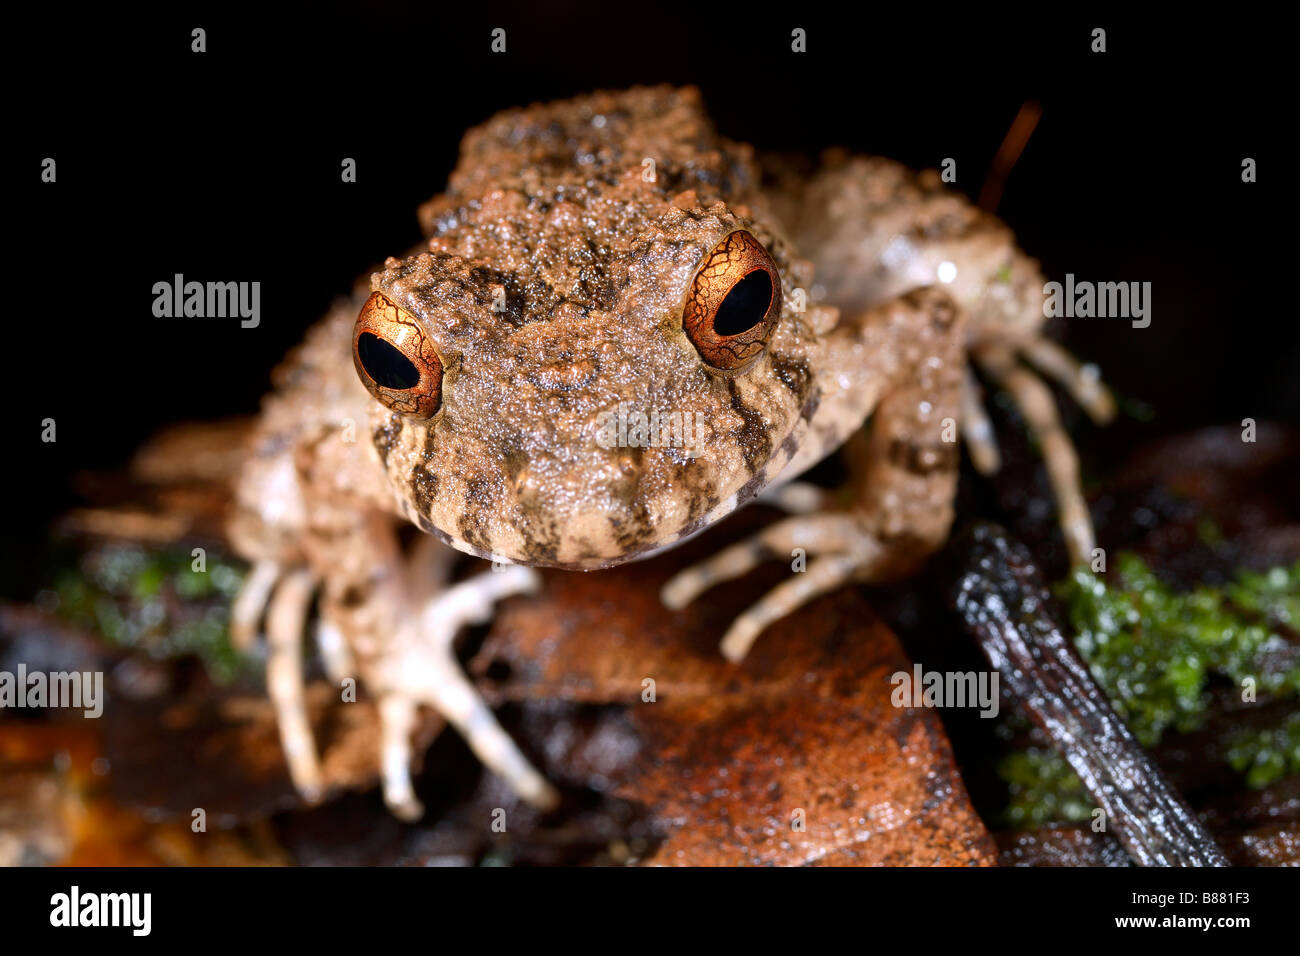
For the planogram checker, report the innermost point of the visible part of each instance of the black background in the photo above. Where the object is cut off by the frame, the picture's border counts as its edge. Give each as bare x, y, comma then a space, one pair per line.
225, 166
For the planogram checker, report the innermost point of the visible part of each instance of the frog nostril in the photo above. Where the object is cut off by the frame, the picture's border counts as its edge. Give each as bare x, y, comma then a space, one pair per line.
385, 364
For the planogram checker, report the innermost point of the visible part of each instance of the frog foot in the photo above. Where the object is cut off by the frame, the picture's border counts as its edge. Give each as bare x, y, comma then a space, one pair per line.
286, 598
421, 669
418, 668
252, 602
1038, 407
839, 551
796, 498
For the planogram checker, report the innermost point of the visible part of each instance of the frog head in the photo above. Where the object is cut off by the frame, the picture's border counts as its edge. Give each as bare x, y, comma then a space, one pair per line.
583, 371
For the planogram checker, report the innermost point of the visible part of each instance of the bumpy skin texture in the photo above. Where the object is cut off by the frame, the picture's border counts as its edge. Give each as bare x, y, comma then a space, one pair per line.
595, 257
552, 287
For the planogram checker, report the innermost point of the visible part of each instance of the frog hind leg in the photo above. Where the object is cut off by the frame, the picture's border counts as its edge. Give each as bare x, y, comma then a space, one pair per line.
250, 603
285, 620
873, 229
1001, 361
903, 491
1082, 381
1038, 407
976, 428
335, 655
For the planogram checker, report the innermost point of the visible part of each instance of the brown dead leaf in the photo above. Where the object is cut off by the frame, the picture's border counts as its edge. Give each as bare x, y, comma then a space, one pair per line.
730, 753
223, 753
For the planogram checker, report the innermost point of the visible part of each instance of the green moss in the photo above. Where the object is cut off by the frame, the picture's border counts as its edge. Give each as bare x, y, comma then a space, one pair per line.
1153, 651
1274, 595
1266, 756
1043, 789
156, 602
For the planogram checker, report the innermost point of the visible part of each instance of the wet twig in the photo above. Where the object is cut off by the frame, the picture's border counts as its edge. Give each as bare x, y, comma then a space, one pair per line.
1006, 606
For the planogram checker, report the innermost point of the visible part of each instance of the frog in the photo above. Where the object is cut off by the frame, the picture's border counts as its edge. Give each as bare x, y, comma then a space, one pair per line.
738, 317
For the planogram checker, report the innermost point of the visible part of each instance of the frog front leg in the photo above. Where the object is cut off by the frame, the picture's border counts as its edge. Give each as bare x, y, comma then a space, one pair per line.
387, 619
419, 667
903, 493
400, 619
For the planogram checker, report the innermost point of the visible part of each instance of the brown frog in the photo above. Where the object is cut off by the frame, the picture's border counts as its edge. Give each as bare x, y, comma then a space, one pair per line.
621, 329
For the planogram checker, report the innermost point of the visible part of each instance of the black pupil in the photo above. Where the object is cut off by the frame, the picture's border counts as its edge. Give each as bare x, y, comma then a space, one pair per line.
745, 305
385, 364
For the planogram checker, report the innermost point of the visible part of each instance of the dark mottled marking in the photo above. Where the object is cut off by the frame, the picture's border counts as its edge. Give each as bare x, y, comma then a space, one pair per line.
699, 484
354, 595
755, 438
538, 550
793, 374
385, 436
451, 542
424, 488
594, 282
752, 487
697, 522
711, 501
922, 459
480, 287
540, 536
530, 299
633, 534
424, 483
810, 407
478, 502
943, 313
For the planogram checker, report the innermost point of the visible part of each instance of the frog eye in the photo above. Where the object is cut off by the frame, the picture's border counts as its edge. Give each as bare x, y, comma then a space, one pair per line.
395, 359
734, 303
